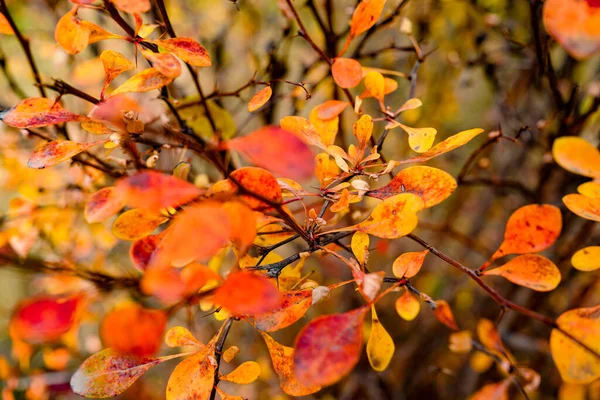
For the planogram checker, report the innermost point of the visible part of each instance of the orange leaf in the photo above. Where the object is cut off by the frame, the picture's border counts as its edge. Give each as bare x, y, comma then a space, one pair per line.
443, 313
293, 307
37, 112
530, 270
43, 319
141, 250
303, 129
188, 50
178, 336
590, 189
136, 223
102, 205
153, 190
133, 330
431, 184
207, 217
489, 336
347, 73
144, 81
5, 28
260, 98
493, 391
585, 207
577, 155
244, 374
447, 145
166, 63
132, 6
329, 347
326, 128
265, 146
576, 364
230, 353
55, 152
71, 34
530, 229
243, 224
283, 364
409, 264
171, 285
108, 373
575, 25
247, 294
112, 109
365, 16
408, 306
331, 109
114, 64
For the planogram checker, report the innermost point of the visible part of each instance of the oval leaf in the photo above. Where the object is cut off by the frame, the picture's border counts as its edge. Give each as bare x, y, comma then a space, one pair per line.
135, 224
37, 112
380, 347
587, 259
529, 270
102, 205
577, 155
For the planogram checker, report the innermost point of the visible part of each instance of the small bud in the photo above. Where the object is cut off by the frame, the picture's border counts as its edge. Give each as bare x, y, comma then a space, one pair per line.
406, 26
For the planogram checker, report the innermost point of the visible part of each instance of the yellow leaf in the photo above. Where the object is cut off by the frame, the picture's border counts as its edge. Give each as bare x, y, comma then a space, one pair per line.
148, 79
420, 139
447, 145
136, 224
380, 347
260, 98
178, 336
529, 270
360, 247
408, 306
71, 34
57, 151
246, 373
587, 259
577, 155
460, 342
590, 189
375, 84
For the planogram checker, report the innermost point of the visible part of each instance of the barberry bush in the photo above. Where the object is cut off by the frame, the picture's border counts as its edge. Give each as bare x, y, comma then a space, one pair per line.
265, 199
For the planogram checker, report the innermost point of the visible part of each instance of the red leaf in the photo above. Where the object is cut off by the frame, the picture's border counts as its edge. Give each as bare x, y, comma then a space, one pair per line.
37, 112
102, 205
188, 50
293, 307
55, 152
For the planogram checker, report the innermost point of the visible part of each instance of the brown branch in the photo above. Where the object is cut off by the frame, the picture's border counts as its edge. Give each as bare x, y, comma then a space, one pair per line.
218, 353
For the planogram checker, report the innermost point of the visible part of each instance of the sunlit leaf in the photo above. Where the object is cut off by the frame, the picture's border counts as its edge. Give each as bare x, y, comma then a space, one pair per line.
489, 336
178, 336
409, 264
57, 151
102, 205
389, 86
444, 314
447, 145
166, 63
187, 49
37, 112
5, 28
153, 191
408, 306
265, 146
136, 223
575, 25
347, 73
530, 229
243, 224
375, 84
133, 330
420, 139
576, 364
529, 270
283, 364
71, 34
365, 16
294, 305
171, 285
230, 353
585, 207
587, 259
577, 155
304, 129
108, 373
141, 250
380, 346
329, 347
260, 98
247, 294
132, 6
43, 319
590, 189
493, 391
144, 81
258, 181
193, 378
431, 184
360, 247
246, 373
331, 109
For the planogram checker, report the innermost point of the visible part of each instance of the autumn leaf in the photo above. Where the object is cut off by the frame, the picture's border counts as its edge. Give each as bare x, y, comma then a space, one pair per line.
419, 139
178, 336
244, 374
153, 191
71, 34
283, 364
136, 223
37, 112
375, 84
493, 391
380, 347
260, 98
590, 189
57, 151
529, 229
407, 306
585, 207
360, 247
577, 155
447, 145
114, 64
365, 16
587, 259
265, 146
303, 129
431, 184
43, 318
490, 338
141, 250
165, 63
189, 50
576, 364
108, 373
294, 305
529, 270
444, 314
329, 347
331, 109
133, 330
409, 264
575, 25
144, 81
346, 72
5, 28
132, 6
102, 205
247, 294
171, 285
